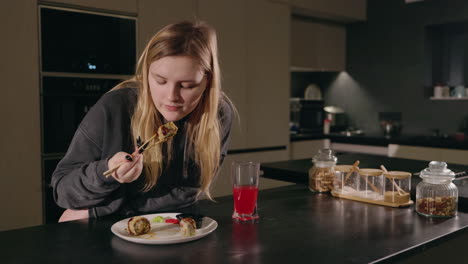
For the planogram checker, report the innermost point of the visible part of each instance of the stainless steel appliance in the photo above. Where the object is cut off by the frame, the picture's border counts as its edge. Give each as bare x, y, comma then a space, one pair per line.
338, 118
306, 116
83, 54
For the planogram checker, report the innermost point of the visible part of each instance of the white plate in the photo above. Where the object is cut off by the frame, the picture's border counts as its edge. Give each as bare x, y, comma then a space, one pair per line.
163, 233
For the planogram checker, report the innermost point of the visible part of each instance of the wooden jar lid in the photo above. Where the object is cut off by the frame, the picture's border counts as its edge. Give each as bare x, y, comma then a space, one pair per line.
370, 172
343, 168
397, 174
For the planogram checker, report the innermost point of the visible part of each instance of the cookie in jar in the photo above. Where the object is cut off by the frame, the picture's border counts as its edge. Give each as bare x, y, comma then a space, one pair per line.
322, 173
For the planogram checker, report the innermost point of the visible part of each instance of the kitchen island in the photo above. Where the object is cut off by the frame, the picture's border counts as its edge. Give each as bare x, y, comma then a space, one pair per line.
295, 226
404, 237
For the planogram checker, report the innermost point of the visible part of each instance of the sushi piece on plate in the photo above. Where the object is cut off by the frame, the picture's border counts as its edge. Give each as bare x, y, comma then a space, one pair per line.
187, 226
138, 226
197, 217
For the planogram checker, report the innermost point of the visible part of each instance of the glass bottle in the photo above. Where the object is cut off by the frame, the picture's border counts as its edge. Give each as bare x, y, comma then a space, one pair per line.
436, 195
322, 174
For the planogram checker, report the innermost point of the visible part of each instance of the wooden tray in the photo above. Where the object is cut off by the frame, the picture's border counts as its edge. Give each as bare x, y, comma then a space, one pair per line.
372, 201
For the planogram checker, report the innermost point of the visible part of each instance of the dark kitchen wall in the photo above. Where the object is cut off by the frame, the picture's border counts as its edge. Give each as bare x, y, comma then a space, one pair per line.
388, 69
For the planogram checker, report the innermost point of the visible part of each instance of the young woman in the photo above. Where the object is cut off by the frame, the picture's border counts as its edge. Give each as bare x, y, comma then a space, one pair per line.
177, 79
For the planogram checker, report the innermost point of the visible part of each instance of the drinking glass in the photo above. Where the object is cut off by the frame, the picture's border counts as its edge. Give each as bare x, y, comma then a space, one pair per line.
245, 176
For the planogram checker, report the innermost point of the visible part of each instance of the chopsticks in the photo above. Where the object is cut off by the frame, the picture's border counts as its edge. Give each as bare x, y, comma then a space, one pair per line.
140, 149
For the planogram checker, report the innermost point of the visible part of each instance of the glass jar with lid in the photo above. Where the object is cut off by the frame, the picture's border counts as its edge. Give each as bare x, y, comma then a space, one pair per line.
346, 179
436, 195
397, 187
322, 174
371, 185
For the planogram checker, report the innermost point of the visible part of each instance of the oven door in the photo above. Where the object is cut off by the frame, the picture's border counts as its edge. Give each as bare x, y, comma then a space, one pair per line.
75, 41
65, 101
62, 115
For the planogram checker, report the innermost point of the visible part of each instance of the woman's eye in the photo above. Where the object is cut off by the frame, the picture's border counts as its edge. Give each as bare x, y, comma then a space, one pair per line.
191, 86
161, 81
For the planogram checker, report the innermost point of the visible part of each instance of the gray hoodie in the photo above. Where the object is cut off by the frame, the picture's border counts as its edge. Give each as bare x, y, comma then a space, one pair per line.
78, 181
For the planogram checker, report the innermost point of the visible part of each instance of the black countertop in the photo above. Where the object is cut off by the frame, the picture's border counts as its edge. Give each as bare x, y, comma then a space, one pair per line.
296, 226
401, 231
449, 142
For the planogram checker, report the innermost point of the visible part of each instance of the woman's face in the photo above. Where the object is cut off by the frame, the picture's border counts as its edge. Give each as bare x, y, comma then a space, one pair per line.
177, 84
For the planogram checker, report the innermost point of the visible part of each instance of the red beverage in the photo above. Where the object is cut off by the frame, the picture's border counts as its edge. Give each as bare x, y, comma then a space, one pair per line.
245, 199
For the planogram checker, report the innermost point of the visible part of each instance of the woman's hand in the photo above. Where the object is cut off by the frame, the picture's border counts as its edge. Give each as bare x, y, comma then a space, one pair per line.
70, 215
131, 166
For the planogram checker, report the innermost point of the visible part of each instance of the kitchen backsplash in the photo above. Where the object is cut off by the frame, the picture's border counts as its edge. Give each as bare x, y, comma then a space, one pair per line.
387, 68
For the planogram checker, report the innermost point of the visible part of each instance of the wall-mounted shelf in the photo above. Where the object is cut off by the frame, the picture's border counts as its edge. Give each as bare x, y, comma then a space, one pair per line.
449, 98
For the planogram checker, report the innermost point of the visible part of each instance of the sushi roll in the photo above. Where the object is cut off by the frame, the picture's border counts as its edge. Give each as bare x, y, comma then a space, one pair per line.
197, 217
187, 226
167, 131
138, 226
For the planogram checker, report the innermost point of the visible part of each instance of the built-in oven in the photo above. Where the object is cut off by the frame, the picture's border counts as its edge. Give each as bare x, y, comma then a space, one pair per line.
77, 41
65, 101
84, 54
306, 116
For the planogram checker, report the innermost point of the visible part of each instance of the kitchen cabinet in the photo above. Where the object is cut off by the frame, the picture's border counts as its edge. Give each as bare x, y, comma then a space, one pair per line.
358, 148
268, 77
414, 152
20, 163
445, 56
253, 38
427, 153
306, 149
229, 20
338, 10
125, 6
223, 185
456, 156
153, 15
281, 1
317, 46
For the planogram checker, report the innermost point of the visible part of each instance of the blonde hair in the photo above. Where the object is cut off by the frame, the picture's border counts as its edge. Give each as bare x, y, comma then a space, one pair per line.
197, 40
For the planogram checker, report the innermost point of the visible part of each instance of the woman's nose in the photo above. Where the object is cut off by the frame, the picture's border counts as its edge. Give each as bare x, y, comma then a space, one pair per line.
174, 93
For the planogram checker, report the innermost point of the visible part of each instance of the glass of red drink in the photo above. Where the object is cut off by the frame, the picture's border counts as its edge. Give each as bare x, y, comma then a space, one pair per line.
245, 176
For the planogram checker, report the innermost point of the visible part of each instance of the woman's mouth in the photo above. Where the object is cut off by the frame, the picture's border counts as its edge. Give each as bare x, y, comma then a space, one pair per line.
172, 108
